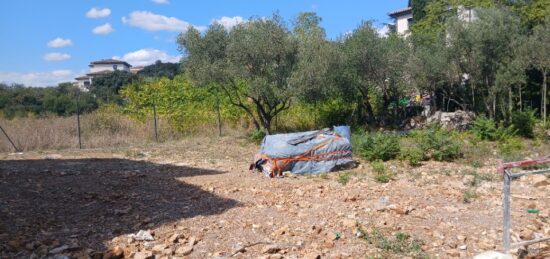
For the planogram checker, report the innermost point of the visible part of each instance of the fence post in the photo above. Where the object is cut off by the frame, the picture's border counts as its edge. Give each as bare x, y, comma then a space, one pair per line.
8, 137
155, 119
78, 119
506, 216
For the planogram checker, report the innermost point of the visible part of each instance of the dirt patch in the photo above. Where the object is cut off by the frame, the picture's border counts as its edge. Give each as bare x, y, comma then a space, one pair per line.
198, 200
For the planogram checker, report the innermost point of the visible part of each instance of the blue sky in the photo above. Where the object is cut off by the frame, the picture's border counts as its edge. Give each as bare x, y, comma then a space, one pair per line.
47, 42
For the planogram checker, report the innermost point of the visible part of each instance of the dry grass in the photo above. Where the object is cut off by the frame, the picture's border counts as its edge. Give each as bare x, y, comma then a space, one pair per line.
98, 129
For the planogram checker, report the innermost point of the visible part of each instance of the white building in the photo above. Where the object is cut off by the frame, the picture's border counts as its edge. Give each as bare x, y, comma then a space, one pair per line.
403, 20
101, 67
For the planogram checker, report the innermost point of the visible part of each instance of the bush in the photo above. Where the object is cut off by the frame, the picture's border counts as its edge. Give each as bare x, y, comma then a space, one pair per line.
438, 144
509, 145
524, 123
381, 175
487, 129
484, 128
379, 146
256, 136
413, 155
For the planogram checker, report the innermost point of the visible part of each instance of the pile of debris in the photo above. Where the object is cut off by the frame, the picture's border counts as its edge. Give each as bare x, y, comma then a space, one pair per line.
458, 120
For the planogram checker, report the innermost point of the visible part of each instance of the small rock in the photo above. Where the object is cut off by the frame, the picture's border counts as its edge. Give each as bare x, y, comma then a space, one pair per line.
271, 249
312, 255
184, 250
492, 255
143, 235
59, 250
192, 241
144, 255
174, 238
159, 248
540, 181
115, 253
463, 247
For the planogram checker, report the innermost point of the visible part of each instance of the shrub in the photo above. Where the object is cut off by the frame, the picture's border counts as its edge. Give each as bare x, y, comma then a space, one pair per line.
343, 178
379, 146
256, 136
487, 129
438, 144
484, 128
381, 175
524, 123
414, 155
509, 145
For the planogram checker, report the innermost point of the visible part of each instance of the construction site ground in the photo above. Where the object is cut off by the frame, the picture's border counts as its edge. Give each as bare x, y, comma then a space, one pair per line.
198, 199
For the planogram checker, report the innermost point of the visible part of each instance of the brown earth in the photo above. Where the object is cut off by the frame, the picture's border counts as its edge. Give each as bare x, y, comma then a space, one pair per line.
198, 200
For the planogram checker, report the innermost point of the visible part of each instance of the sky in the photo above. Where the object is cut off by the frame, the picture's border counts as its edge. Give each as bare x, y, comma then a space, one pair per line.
43, 43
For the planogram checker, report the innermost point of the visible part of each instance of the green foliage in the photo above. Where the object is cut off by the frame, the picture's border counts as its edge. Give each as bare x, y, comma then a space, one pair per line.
507, 146
438, 144
106, 87
381, 175
159, 69
256, 136
414, 155
524, 123
486, 129
186, 107
343, 178
21, 101
401, 243
379, 146
468, 196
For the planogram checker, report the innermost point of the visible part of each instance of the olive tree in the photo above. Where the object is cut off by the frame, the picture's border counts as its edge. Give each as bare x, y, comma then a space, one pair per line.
251, 64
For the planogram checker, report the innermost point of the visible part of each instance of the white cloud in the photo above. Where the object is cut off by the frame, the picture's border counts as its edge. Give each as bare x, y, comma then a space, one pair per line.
56, 56
103, 29
147, 56
228, 22
155, 22
59, 43
50, 78
95, 13
161, 1
383, 32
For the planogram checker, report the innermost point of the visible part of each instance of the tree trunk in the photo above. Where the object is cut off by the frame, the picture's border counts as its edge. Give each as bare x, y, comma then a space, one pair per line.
520, 100
544, 93
510, 104
219, 116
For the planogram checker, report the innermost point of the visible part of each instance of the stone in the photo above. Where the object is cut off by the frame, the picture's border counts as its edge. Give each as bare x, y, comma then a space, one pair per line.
192, 241
349, 223
184, 250
144, 255
312, 255
115, 253
540, 181
59, 249
271, 249
159, 248
463, 247
143, 235
174, 238
492, 255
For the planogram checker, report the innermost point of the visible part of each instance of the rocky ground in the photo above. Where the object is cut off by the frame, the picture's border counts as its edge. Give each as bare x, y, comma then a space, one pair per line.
197, 199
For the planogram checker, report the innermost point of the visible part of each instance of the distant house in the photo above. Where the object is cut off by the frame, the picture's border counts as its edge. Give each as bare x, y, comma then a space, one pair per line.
102, 67
403, 18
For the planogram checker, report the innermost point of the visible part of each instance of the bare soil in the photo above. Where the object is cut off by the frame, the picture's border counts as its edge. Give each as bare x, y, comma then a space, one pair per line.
198, 200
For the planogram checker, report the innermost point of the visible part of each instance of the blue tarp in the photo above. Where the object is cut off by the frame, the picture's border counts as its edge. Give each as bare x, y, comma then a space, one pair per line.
303, 153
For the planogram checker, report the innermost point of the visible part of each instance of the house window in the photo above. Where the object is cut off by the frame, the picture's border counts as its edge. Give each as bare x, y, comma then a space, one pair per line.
86, 83
115, 67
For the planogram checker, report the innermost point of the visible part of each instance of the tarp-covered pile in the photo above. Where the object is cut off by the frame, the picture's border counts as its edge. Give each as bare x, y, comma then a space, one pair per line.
311, 152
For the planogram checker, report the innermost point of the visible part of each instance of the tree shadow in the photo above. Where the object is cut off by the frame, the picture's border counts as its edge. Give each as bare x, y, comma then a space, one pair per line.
94, 200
